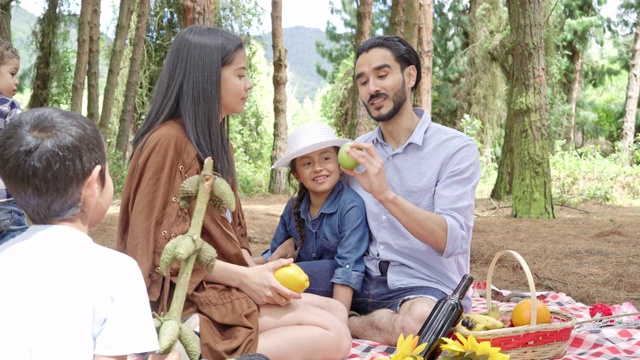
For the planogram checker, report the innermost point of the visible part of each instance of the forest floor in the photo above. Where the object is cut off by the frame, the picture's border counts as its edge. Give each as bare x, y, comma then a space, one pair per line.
590, 251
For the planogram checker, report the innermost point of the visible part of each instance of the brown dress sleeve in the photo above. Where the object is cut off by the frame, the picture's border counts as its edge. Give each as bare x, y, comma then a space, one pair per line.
150, 216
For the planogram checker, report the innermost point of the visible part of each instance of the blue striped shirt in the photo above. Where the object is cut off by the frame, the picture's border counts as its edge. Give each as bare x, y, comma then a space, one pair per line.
9, 108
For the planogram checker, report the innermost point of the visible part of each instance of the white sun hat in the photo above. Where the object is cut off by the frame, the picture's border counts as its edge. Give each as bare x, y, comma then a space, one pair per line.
308, 138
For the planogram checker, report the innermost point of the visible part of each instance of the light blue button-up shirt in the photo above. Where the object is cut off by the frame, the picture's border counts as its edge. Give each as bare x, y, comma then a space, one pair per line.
339, 231
437, 169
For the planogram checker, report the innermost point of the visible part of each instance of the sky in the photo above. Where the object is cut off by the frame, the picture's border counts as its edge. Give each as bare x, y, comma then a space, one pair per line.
308, 13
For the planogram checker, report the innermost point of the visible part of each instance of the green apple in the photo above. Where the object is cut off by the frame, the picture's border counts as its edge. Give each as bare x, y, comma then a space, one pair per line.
345, 160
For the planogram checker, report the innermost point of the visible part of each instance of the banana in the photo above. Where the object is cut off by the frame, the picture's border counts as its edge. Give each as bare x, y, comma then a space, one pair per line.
494, 311
479, 322
474, 327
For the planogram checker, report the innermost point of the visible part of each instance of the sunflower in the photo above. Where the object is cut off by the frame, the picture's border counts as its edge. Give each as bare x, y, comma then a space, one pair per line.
470, 348
407, 349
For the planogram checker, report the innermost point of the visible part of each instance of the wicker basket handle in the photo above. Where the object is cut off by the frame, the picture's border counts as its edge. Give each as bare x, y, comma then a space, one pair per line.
532, 286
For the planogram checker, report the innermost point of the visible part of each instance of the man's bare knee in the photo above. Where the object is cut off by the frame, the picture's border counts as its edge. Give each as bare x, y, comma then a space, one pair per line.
413, 314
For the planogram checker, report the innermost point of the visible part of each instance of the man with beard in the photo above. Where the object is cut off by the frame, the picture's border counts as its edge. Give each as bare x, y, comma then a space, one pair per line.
418, 180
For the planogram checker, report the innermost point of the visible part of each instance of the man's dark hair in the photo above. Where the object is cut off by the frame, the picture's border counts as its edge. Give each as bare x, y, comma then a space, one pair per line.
46, 155
402, 51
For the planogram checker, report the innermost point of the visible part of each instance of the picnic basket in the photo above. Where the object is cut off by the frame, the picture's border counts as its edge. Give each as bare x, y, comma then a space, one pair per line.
534, 341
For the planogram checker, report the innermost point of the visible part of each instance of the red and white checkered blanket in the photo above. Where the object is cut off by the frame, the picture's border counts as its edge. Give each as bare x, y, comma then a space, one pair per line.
598, 343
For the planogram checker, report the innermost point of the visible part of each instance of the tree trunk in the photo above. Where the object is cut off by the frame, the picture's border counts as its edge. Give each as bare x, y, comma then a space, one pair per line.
127, 115
425, 51
93, 75
82, 55
484, 86
397, 17
363, 32
503, 187
411, 22
631, 103
278, 179
532, 197
48, 28
5, 20
573, 96
198, 12
122, 30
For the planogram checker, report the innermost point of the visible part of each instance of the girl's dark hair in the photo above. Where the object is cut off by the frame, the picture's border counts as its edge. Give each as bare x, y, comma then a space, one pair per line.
189, 89
46, 154
7, 51
297, 201
402, 52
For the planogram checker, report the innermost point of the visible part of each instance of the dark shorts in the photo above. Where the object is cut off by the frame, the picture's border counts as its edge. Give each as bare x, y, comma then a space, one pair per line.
376, 295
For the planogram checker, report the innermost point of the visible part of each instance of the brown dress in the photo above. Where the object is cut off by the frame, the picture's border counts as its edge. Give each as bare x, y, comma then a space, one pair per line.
150, 216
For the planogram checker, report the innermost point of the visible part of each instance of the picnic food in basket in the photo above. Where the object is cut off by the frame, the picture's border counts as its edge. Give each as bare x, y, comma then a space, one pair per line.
480, 322
533, 341
521, 314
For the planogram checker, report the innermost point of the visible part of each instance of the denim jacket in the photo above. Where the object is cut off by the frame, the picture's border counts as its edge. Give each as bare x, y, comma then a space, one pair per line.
339, 231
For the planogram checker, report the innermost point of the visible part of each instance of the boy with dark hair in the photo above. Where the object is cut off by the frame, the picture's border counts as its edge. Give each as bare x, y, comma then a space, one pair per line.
12, 218
62, 294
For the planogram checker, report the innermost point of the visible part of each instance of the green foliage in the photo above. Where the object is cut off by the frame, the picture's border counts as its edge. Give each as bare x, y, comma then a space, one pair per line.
251, 132
450, 38
117, 169
63, 65
585, 174
238, 16
605, 106
342, 42
22, 23
488, 169
335, 97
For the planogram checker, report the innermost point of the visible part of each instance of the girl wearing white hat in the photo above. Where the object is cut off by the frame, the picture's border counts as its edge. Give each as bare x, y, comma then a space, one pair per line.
326, 219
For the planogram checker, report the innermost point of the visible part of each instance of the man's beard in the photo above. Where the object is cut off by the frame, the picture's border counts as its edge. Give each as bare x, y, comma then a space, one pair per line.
399, 98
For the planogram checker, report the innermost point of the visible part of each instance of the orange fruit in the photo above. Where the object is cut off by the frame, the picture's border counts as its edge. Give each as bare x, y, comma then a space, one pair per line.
521, 314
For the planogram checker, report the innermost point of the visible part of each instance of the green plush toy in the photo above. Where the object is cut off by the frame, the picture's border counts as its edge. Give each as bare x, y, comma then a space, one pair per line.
206, 188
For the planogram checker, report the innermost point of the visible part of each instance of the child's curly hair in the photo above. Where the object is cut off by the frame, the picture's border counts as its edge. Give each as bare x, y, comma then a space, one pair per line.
7, 51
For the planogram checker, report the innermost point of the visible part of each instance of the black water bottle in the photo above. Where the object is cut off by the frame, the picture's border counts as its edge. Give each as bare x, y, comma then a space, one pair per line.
443, 318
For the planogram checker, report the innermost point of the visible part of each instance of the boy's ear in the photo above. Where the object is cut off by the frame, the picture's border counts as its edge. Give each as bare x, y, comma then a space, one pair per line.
92, 185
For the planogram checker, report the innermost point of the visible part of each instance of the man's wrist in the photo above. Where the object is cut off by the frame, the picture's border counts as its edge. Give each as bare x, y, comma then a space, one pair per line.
386, 198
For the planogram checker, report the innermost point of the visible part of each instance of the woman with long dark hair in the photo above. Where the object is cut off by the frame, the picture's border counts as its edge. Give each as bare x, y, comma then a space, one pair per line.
241, 308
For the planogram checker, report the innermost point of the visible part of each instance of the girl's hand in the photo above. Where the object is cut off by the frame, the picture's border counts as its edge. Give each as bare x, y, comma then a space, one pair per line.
286, 250
263, 288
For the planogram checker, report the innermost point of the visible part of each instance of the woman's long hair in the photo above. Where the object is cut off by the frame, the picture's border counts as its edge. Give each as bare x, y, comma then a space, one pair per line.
189, 89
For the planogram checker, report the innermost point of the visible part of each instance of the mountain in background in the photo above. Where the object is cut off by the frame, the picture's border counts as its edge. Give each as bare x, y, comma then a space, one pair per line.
22, 23
301, 59
299, 41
